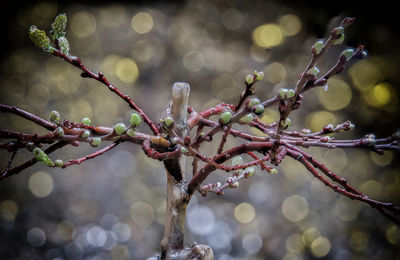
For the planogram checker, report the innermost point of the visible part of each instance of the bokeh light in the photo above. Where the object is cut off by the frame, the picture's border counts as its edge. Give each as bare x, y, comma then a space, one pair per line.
268, 35
244, 212
320, 247
338, 95
290, 24
295, 208
142, 22
83, 24
41, 184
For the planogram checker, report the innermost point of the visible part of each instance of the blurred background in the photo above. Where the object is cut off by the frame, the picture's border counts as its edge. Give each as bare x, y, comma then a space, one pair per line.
113, 207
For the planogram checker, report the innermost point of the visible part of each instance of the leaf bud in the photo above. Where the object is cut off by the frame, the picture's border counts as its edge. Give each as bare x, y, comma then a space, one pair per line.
119, 128
59, 132
252, 102
59, 163
328, 128
59, 25
249, 172
55, 116
313, 71
96, 141
246, 119
85, 134
273, 171
249, 79
339, 40
235, 184
282, 92
184, 150
86, 121
317, 47
225, 117
286, 123
130, 132
260, 76
347, 53
64, 45
39, 38
168, 122
258, 109
135, 120
290, 93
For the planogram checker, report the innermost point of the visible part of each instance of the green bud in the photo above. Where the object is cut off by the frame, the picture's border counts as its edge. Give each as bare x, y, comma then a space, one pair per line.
290, 93
237, 160
273, 171
130, 132
135, 120
305, 131
59, 131
249, 79
96, 141
119, 128
225, 117
58, 163
168, 121
313, 71
40, 155
249, 172
286, 123
202, 134
283, 92
258, 109
86, 121
39, 38
318, 46
246, 119
260, 76
184, 150
85, 134
253, 102
64, 45
55, 116
339, 40
174, 140
339, 30
59, 25
347, 53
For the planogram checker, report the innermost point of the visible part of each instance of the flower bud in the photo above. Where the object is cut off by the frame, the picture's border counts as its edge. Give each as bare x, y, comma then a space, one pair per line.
286, 123
290, 93
64, 45
168, 122
252, 102
55, 116
237, 160
225, 117
135, 120
246, 119
59, 25
119, 128
85, 134
249, 79
58, 163
306, 131
174, 140
260, 76
86, 121
273, 171
282, 92
96, 141
130, 132
328, 128
258, 109
249, 172
348, 53
39, 38
59, 132
317, 47
184, 150
325, 139
339, 40
313, 71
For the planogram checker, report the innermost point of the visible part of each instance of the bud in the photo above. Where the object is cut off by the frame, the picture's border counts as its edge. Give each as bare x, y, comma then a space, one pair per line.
184, 150
328, 128
55, 116
348, 53
174, 140
317, 47
252, 102
249, 79
282, 92
306, 131
58, 163
86, 121
168, 122
249, 172
225, 117
313, 71
339, 40
59, 132
273, 171
64, 45
286, 123
119, 128
130, 132
39, 38
260, 76
325, 139
258, 109
351, 126
41, 156
235, 184
135, 120
96, 141
290, 93
246, 119
59, 25
237, 160
202, 134
85, 134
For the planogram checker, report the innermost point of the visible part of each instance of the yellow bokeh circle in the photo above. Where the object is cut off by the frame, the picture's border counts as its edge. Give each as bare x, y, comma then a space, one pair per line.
268, 35
244, 213
142, 22
127, 70
338, 95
